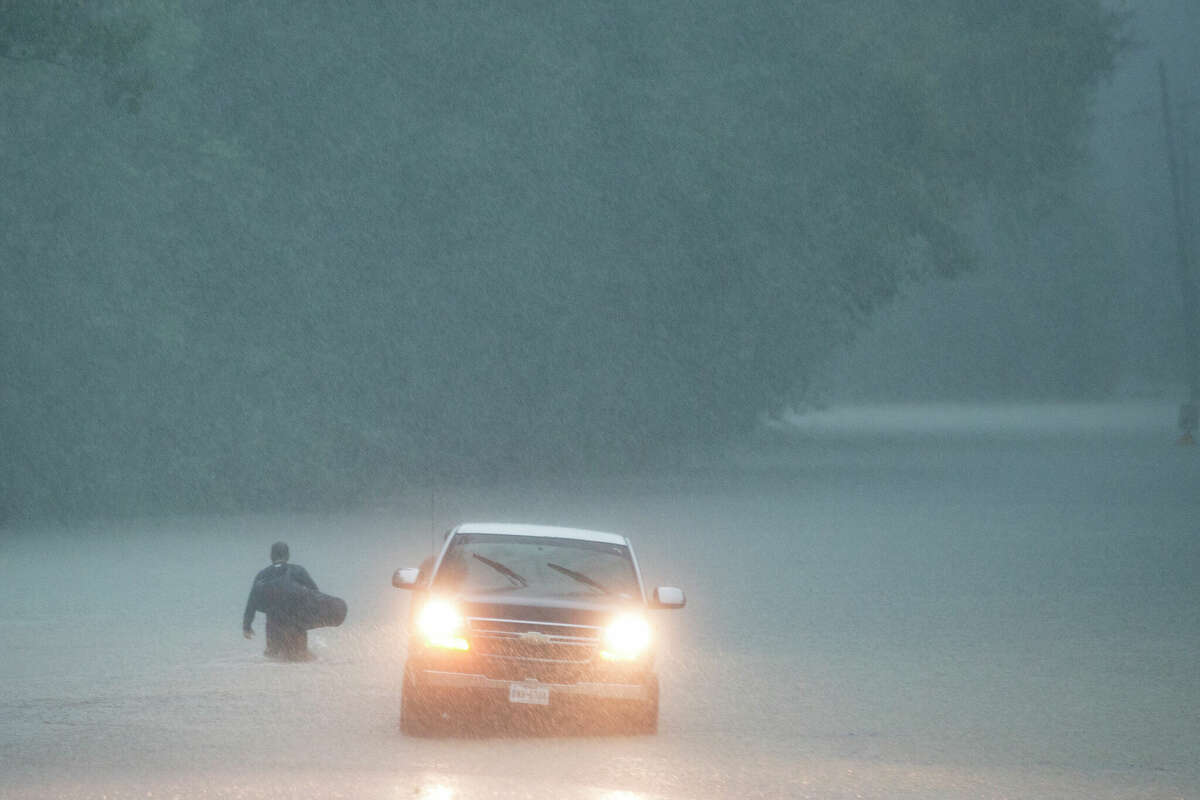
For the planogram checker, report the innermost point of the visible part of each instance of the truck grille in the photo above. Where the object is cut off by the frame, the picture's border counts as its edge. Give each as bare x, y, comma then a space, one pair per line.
543, 642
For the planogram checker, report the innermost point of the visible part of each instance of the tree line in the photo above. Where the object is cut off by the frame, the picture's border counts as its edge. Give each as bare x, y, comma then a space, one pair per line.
261, 255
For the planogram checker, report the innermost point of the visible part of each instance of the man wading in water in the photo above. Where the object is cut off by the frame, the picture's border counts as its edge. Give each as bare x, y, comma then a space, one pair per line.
276, 593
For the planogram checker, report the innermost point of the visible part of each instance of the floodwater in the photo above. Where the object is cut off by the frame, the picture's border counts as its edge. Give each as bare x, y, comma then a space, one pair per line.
929, 602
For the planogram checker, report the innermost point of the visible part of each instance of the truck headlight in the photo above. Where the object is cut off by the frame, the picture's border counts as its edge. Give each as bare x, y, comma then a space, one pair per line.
441, 625
626, 638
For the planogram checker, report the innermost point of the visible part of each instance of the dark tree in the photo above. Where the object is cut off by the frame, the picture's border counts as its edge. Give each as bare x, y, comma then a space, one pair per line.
357, 245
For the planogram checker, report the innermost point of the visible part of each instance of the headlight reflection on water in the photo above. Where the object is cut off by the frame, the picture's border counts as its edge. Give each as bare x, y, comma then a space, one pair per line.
437, 789
426, 790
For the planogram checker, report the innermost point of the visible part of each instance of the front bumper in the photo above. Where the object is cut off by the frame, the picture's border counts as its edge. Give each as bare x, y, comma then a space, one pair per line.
439, 679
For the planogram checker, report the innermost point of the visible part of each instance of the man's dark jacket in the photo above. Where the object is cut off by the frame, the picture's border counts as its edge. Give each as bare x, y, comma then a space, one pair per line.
258, 600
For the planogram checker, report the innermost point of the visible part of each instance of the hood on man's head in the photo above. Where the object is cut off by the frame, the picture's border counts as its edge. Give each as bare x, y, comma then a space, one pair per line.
279, 552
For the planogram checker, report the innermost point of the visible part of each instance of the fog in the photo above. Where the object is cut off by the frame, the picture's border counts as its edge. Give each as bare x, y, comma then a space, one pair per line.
1086, 304
1001, 605
260, 259
862, 321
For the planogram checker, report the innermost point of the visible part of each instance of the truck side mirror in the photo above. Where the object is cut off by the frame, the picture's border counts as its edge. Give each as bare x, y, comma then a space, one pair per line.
668, 597
405, 578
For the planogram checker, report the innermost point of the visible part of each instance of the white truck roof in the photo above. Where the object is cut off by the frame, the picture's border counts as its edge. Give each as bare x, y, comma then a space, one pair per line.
517, 529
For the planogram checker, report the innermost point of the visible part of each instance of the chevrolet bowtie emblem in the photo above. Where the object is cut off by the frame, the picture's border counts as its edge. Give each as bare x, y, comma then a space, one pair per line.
534, 638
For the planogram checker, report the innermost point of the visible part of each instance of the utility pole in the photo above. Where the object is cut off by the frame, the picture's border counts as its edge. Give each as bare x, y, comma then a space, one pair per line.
1188, 412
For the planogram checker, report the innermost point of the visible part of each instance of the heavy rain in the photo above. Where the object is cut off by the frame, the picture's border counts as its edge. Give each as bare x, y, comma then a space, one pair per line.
871, 325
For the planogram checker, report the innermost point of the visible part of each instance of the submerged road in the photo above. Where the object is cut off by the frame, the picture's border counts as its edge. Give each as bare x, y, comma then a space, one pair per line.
882, 603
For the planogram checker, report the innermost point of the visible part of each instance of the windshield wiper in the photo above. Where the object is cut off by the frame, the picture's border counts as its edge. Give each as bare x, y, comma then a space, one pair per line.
579, 576
503, 570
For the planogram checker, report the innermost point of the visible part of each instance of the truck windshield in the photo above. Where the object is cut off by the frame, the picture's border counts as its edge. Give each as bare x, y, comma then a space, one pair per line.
537, 565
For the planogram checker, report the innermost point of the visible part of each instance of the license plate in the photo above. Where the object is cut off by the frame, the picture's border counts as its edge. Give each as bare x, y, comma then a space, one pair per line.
527, 693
